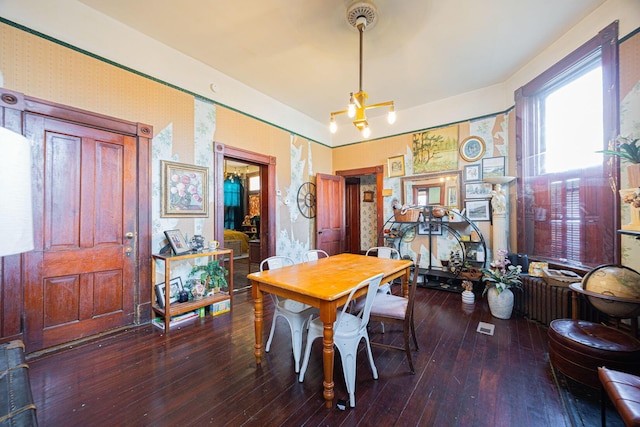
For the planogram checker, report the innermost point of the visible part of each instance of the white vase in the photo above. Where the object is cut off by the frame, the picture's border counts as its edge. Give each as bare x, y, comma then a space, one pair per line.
468, 297
501, 305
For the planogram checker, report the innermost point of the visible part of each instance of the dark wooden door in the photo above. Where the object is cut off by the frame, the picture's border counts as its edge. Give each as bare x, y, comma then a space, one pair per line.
352, 215
81, 276
330, 213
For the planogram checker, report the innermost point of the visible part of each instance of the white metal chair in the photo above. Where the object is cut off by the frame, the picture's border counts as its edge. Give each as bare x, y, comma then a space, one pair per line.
348, 330
295, 313
385, 252
314, 255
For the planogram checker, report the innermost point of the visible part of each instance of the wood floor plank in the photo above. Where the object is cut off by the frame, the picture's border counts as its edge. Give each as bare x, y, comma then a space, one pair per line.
205, 374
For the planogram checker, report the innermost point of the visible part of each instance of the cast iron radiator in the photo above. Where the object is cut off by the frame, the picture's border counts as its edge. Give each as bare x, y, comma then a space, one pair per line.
544, 302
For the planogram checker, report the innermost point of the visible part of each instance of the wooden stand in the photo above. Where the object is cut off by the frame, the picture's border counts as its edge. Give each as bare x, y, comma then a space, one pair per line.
176, 308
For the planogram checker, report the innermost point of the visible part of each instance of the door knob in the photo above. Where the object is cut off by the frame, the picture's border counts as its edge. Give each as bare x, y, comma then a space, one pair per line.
129, 235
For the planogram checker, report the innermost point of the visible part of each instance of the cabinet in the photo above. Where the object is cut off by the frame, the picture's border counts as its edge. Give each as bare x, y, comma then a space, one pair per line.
437, 238
225, 256
254, 253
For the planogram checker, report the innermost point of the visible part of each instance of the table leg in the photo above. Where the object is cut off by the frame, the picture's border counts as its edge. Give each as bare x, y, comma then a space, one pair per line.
327, 358
257, 299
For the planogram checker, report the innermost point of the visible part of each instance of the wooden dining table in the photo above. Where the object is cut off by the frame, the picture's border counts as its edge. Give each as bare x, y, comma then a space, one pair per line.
325, 284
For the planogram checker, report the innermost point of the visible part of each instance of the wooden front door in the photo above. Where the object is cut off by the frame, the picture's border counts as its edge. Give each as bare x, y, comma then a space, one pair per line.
330, 213
81, 276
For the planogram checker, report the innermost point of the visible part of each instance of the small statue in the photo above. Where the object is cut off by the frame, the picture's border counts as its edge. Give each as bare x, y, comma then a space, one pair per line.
498, 200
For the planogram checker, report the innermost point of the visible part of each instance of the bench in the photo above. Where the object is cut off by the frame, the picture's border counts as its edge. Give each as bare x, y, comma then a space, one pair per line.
624, 392
16, 401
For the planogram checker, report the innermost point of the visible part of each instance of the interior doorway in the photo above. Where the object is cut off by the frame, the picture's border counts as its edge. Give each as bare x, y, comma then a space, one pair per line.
247, 226
242, 192
364, 214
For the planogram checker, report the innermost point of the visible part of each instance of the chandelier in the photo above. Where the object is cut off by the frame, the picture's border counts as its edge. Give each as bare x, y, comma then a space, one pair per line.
360, 15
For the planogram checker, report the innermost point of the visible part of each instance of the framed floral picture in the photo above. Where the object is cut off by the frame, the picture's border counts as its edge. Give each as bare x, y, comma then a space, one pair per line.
184, 190
473, 172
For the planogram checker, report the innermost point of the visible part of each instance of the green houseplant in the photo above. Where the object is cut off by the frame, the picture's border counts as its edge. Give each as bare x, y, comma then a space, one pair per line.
212, 274
628, 149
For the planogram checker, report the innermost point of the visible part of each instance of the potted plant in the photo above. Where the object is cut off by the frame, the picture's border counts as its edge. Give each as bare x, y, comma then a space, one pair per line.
212, 274
627, 148
499, 279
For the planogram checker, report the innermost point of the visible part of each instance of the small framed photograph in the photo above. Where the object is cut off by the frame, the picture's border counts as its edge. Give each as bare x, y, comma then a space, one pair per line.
493, 166
472, 148
477, 190
478, 210
452, 196
395, 166
184, 190
177, 242
367, 196
433, 228
473, 172
175, 286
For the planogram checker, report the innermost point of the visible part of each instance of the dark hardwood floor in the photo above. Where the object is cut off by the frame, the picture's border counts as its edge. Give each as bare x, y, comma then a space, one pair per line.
205, 373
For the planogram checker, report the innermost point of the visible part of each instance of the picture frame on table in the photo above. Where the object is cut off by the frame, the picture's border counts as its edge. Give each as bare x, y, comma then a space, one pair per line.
473, 172
493, 166
477, 190
472, 148
395, 166
478, 210
434, 226
175, 287
177, 241
185, 190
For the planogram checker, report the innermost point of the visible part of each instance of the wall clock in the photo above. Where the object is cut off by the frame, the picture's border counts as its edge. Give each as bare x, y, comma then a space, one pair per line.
307, 199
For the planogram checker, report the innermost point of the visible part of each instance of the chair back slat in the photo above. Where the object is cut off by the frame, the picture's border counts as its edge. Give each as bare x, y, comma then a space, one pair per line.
374, 283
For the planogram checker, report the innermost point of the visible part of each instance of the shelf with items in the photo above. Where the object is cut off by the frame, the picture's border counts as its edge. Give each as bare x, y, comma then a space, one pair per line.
463, 245
221, 300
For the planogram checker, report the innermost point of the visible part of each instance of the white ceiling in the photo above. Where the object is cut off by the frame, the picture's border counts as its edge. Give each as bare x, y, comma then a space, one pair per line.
305, 55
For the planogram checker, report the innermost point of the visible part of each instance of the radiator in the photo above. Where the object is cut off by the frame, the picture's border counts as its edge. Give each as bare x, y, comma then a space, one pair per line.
543, 302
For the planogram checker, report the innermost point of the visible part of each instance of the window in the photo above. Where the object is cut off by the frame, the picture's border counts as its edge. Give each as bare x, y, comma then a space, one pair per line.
567, 211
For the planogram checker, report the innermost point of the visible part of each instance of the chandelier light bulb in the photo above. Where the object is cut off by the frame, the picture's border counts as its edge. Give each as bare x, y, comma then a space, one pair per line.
391, 117
366, 132
333, 126
351, 109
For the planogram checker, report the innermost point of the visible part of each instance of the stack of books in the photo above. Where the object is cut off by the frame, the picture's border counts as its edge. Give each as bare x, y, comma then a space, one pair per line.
175, 320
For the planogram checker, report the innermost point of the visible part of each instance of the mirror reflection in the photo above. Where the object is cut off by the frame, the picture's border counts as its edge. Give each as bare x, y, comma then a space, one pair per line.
437, 188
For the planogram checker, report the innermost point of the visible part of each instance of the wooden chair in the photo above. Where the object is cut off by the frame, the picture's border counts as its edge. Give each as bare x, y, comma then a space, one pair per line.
295, 313
393, 309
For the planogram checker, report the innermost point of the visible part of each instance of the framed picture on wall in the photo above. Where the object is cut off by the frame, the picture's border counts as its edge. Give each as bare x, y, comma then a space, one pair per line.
477, 190
395, 166
184, 190
433, 228
473, 172
478, 210
472, 148
493, 166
